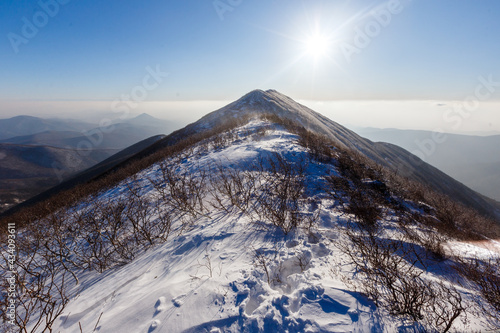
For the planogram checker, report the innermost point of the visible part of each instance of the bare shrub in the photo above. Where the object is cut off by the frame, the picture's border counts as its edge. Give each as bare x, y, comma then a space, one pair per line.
364, 207
387, 271
140, 216
358, 200
388, 278
59, 242
96, 251
320, 148
446, 306
423, 234
41, 288
304, 259
234, 186
262, 261
439, 211
184, 191
281, 189
207, 264
485, 276
116, 232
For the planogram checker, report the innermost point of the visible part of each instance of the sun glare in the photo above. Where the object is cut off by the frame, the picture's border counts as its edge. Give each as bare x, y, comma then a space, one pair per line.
317, 46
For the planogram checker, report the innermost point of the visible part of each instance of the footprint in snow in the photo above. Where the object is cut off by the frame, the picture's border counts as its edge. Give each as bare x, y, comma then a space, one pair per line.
161, 305
154, 325
178, 301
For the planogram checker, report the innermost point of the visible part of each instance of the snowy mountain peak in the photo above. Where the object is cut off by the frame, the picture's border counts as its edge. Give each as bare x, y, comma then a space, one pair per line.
259, 95
267, 101
275, 103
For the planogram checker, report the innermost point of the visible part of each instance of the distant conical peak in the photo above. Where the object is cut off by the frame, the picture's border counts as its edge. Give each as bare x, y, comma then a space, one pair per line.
144, 116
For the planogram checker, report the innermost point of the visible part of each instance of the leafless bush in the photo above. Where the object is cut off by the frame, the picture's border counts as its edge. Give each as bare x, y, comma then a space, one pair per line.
485, 276
359, 200
446, 306
222, 140
260, 133
281, 189
150, 222
304, 259
355, 167
388, 278
41, 288
96, 237
116, 231
364, 207
442, 213
207, 263
184, 191
232, 185
320, 147
387, 273
59, 242
109, 232
423, 234
262, 261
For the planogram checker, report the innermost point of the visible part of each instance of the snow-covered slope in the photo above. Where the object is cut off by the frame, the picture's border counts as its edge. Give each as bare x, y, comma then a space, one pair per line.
225, 269
207, 278
388, 155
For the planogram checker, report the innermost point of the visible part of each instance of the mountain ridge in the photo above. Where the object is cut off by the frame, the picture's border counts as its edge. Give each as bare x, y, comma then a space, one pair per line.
388, 155
471, 159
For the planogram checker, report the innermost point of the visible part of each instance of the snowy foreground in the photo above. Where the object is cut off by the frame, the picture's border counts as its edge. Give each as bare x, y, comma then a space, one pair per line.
229, 272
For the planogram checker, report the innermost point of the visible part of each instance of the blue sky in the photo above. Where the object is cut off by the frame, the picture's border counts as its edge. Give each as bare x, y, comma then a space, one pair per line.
99, 50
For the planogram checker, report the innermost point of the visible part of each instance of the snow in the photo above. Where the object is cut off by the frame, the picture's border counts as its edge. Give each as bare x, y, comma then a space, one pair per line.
209, 279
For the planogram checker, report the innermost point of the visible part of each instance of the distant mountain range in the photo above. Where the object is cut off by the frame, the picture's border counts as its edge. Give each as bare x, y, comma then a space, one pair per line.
27, 125
26, 170
37, 154
473, 160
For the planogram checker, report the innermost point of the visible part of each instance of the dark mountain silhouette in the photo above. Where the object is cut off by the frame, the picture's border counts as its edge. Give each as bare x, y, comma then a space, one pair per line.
35, 182
473, 160
27, 125
118, 136
27, 170
33, 163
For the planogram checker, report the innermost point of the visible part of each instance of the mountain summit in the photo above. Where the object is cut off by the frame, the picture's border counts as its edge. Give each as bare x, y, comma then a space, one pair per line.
273, 102
388, 155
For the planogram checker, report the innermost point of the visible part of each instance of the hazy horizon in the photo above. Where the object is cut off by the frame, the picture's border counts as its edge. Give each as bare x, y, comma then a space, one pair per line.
429, 115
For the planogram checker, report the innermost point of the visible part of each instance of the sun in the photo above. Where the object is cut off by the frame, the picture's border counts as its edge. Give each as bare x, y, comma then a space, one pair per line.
317, 45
